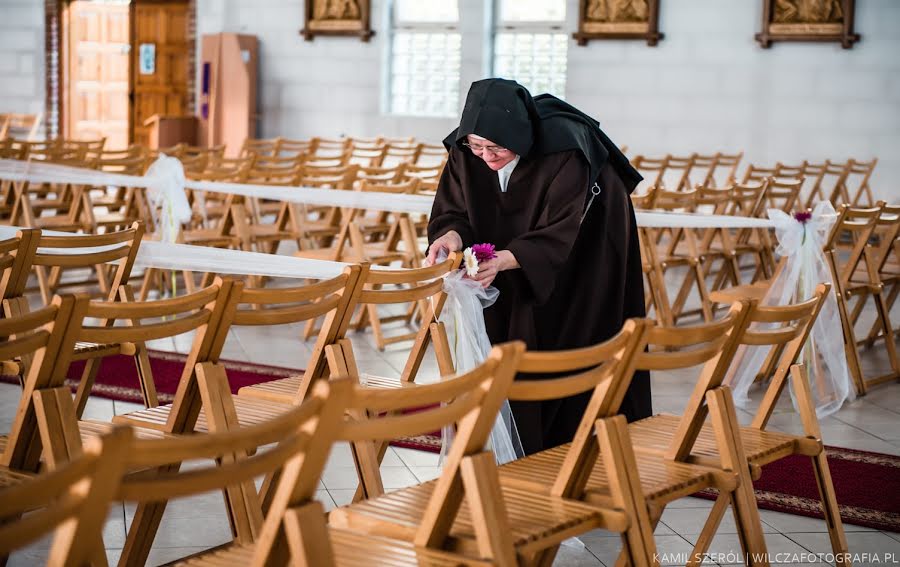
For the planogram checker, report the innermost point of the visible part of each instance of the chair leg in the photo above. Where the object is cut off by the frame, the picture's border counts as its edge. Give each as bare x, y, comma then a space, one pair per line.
713, 521
91, 368
830, 509
731, 451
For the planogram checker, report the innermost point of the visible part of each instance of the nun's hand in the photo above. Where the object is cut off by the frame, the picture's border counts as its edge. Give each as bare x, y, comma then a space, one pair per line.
488, 270
449, 242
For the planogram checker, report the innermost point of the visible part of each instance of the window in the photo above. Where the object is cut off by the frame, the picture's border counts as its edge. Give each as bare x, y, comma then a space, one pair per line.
425, 58
530, 44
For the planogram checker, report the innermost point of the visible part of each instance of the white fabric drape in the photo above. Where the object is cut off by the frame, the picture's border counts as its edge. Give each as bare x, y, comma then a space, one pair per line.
823, 354
36, 172
463, 318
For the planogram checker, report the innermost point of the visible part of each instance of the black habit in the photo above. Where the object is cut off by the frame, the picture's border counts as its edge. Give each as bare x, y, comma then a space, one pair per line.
580, 279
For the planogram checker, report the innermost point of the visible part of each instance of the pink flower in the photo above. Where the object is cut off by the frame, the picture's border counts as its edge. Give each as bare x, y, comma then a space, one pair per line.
484, 252
802, 216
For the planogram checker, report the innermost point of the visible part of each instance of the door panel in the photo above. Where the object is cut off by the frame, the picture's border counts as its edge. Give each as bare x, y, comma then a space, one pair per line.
165, 91
98, 72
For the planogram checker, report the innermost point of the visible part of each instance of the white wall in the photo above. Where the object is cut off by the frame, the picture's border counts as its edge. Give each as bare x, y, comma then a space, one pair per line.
21, 56
707, 86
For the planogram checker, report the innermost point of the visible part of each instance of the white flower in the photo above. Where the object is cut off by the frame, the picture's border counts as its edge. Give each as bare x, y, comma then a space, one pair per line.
470, 262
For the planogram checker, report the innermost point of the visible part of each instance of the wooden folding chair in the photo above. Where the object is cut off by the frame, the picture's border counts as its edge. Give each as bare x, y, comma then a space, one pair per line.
716, 244
677, 174
783, 193
35, 338
858, 226
431, 154
294, 529
727, 163
423, 284
202, 312
466, 510
334, 299
829, 184
749, 200
681, 250
785, 330
16, 257
887, 253
71, 502
96, 251
602, 372
302, 439
576, 468
858, 175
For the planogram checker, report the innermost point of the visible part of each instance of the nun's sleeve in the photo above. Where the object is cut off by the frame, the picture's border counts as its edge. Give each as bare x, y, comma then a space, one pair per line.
449, 211
542, 251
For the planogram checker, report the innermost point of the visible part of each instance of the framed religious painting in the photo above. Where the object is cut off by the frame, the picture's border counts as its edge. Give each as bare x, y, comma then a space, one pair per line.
808, 20
618, 19
337, 17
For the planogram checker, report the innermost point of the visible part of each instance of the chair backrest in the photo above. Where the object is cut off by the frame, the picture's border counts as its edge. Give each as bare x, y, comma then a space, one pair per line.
677, 174
334, 298
758, 173
92, 250
856, 183
35, 337
888, 230
16, 256
302, 439
205, 312
605, 368
784, 328
711, 344
857, 224
727, 163
652, 169
398, 287
783, 192
471, 401
72, 502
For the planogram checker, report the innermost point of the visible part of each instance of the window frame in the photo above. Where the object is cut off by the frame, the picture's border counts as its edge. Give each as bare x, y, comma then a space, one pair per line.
495, 27
394, 26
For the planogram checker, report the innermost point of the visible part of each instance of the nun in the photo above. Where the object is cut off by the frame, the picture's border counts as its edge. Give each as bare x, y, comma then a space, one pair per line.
539, 180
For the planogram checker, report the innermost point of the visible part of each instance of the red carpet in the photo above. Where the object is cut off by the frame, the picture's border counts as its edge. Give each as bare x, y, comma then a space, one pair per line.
117, 378
867, 485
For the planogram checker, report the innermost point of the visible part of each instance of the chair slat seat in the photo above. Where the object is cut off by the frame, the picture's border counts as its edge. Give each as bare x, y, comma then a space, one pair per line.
534, 519
350, 550
85, 350
662, 481
250, 411
280, 390
756, 291
761, 447
10, 478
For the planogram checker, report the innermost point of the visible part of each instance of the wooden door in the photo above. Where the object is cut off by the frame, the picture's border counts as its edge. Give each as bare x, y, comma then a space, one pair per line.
160, 87
98, 72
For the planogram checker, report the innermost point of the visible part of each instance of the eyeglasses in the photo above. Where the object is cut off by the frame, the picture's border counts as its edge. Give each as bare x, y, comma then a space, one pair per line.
476, 149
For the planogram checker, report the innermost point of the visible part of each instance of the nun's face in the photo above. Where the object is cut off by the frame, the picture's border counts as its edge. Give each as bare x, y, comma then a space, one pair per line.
493, 155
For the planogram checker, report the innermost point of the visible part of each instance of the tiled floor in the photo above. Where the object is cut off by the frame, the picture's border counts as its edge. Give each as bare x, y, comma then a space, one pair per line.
871, 423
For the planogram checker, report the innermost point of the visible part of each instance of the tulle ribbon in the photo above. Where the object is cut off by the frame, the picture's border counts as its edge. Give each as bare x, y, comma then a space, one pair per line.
463, 317
823, 354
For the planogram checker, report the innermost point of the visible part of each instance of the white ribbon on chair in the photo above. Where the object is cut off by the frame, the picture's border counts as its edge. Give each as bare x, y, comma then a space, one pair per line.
165, 191
806, 267
463, 317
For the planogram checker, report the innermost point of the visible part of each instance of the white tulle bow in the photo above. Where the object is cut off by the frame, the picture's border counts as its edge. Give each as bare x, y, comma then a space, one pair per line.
165, 191
804, 269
